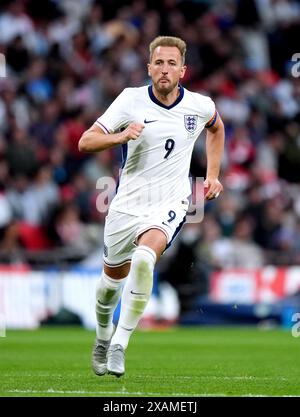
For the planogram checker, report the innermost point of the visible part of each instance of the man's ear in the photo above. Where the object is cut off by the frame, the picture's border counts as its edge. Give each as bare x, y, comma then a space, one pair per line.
183, 69
149, 71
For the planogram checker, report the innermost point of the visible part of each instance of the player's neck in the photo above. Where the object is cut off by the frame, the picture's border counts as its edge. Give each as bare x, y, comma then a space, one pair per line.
167, 99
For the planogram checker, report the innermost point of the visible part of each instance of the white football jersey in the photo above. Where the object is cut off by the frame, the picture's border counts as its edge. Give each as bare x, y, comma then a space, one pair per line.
155, 171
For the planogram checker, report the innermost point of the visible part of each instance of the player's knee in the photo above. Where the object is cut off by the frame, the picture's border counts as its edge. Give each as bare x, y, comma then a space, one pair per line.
143, 261
106, 288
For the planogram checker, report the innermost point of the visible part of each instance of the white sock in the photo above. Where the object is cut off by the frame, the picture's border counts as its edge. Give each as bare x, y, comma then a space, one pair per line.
136, 294
108, 293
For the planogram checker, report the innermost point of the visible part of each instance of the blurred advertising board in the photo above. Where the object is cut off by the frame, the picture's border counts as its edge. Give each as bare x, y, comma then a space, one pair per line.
265, 285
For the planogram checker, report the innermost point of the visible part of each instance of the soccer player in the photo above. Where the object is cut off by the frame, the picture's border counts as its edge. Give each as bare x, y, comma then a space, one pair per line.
157, 126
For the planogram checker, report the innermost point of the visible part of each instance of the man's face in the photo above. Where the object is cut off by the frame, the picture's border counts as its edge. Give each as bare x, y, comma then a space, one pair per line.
166, 68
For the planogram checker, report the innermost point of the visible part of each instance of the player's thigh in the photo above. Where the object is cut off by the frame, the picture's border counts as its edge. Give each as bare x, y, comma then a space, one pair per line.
154, 239
119, 235
159, 231
117, 272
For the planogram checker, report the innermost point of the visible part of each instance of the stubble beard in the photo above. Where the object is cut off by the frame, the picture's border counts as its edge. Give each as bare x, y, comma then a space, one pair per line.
166, 89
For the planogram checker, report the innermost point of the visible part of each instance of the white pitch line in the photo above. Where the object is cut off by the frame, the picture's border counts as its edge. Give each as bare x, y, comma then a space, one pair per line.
175, 394
52, 391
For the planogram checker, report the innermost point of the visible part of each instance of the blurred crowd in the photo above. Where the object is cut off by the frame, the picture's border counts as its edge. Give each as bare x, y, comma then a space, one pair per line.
67, 60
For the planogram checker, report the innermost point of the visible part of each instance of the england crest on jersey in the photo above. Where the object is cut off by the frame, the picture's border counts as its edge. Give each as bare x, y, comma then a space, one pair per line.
190, 122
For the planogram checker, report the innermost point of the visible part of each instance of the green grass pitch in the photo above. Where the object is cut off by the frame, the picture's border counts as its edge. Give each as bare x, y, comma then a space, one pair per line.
194, 361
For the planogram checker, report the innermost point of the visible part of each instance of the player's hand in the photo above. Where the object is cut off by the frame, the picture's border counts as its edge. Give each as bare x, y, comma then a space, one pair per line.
212, 188
132, 132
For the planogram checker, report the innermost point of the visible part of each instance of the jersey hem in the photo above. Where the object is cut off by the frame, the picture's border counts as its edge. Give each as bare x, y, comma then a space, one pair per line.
148, 228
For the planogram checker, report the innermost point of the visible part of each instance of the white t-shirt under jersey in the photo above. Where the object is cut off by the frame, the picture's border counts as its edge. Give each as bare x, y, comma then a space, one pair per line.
155, 171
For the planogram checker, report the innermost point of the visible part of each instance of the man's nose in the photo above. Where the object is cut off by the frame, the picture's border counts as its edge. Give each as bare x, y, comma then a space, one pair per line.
164, 68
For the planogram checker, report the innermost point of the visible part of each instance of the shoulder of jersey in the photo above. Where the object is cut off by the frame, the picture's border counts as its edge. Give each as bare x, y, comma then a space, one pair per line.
203, 105
197, 97
134, 91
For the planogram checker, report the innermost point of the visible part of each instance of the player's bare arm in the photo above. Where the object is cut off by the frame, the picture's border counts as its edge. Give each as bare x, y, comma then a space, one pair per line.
95, 139
215, 139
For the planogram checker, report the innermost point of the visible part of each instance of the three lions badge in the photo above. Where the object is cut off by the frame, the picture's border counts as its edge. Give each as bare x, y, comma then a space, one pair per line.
190, 122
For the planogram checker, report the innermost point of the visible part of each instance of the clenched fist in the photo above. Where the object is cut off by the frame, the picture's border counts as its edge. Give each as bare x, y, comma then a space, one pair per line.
132, 132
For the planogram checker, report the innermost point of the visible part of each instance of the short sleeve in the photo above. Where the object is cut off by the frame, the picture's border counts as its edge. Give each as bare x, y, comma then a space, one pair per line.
210, 112
117, 115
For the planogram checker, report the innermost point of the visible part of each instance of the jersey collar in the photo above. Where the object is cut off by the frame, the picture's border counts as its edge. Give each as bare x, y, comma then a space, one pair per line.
159, 103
